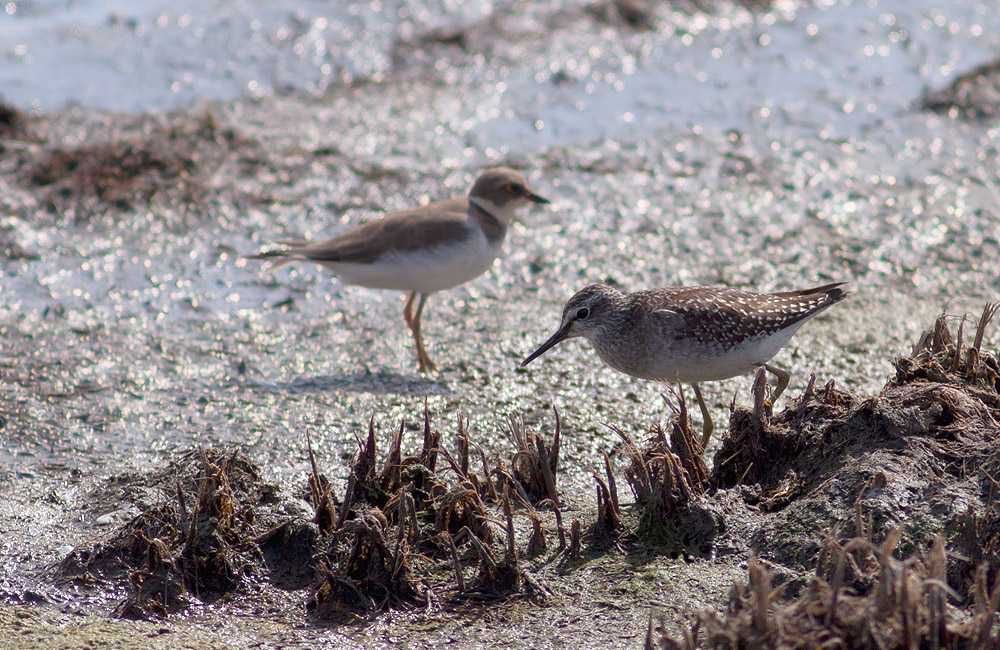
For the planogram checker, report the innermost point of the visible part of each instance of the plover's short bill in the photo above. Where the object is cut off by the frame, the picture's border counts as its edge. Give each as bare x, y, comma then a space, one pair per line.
690, 334
421, 250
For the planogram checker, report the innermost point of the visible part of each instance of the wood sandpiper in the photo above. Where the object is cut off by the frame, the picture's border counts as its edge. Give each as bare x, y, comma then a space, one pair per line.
690, 334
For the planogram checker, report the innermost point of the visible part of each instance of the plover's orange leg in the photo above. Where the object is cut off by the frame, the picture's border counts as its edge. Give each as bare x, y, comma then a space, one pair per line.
423, 359
408, 310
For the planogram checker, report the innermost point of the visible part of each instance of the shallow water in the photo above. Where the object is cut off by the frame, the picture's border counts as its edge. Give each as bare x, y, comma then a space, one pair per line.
775, 149
833, 67
161, 54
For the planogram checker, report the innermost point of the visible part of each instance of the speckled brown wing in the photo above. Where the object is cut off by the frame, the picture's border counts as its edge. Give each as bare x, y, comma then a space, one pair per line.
428, 226
728, 317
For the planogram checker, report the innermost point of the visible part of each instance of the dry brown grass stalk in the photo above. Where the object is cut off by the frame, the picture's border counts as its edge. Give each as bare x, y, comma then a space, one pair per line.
667, 487
904, 607
534, 464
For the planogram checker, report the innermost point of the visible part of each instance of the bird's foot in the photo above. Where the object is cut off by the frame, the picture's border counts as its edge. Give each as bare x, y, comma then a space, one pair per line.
706, 433
425, 364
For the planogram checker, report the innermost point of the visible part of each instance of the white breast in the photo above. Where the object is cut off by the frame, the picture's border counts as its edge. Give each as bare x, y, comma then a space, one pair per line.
691, 363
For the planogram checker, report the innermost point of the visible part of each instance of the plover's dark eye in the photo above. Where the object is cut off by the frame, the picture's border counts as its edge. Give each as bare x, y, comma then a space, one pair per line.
515, 188
582, 313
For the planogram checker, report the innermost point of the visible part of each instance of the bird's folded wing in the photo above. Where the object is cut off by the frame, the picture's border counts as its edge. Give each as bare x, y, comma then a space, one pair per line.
400, 232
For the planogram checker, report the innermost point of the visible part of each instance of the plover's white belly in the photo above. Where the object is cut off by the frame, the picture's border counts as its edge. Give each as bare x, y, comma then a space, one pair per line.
692, 362
424, 270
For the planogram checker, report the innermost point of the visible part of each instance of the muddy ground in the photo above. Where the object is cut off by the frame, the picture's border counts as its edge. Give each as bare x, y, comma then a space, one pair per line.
143, 359
840, 500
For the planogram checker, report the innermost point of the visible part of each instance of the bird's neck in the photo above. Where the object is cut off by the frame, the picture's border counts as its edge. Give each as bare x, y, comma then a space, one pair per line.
491, 218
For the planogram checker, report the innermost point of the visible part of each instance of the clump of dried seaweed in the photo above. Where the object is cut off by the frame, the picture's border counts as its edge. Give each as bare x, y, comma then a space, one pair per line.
977, 545
173, 161
504, 577
389, 512
668, 480
199, 544
534, 464
411, 487
861, 598
973, 95
608, 526
362, 570
365, 564
941, 358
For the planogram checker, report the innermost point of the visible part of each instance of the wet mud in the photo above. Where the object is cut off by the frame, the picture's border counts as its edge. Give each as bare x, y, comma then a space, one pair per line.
974, 94
872, 522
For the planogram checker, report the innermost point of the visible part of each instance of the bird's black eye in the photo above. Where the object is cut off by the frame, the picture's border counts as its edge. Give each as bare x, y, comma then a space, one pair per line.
515, 188
582, 313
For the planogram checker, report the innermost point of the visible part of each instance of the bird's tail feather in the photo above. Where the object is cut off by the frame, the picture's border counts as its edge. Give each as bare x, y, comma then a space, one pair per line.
835, 291
278, 258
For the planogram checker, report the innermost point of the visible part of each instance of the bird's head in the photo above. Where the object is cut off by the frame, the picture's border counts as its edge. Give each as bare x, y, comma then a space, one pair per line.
501, 190
586, 314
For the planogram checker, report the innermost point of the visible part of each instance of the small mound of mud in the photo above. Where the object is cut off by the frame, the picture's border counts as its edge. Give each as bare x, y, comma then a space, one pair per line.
198, 543
288, 553
973, 95
920, 457
172, 163
863, 599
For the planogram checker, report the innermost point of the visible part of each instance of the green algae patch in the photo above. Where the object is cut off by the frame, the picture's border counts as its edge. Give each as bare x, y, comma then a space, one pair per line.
32, 628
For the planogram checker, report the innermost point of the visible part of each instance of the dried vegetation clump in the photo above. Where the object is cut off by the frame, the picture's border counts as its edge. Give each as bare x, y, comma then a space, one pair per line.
668, 480
170, 162
932, 432
940, 358
407, 531
196, 544
861, 597
935, 424
405, 512
533, 466
972, 95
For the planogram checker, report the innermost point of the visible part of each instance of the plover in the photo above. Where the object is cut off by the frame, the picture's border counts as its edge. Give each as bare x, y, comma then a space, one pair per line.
421, 250
690, 334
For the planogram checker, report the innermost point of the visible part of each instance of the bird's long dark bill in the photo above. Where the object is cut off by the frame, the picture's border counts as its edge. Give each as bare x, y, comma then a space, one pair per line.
537, 199
555, 339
